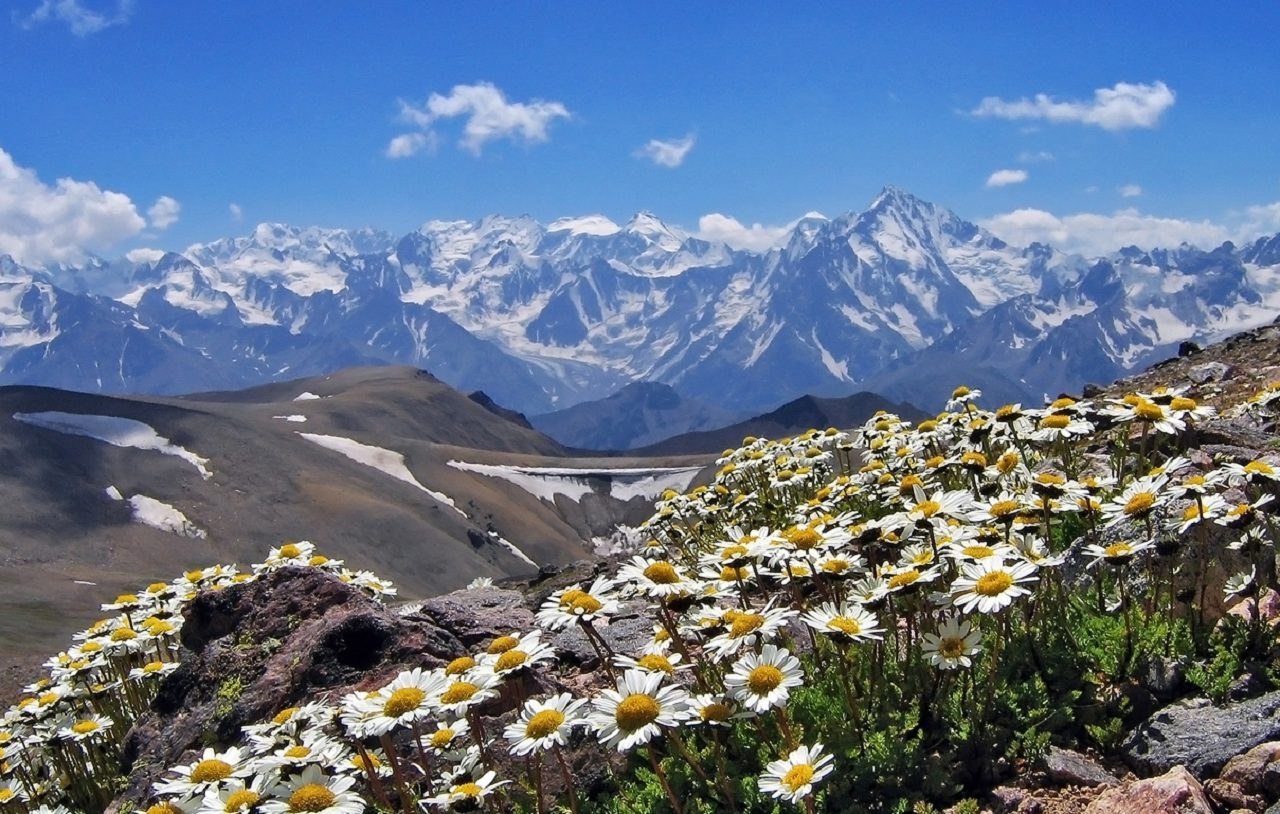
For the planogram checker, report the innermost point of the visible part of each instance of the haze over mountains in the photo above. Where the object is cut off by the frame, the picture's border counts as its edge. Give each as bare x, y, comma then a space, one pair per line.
905, 299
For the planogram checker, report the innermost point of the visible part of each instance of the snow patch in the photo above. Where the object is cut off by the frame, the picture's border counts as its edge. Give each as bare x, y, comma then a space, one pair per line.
545, 483
597, 225
297, 419
510, 546
162, 516
306, 396
118, 432
114, 493
383, 460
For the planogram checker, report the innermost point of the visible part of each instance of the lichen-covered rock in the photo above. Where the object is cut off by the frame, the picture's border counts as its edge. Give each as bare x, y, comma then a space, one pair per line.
478, 616
1174, 792
293, 635
1200, 736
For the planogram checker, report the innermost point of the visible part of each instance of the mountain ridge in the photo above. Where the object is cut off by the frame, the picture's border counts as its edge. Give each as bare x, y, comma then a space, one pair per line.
904, 297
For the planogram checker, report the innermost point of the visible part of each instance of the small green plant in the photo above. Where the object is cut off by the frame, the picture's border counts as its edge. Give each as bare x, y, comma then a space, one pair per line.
226, 696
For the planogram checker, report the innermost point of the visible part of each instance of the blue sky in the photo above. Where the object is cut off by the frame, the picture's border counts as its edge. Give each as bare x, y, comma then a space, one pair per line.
289, 109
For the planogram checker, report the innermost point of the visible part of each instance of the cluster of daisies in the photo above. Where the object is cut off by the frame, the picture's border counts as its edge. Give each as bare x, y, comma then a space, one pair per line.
59, 745
828, 560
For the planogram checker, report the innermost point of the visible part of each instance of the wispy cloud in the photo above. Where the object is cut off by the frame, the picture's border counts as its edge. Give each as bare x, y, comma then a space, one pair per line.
81, 20
60, 222
1121, 107
488, 114
1003, 178
1029, 157
1094, 233
757, 237
1130, 191
237, 214
164, 212
667, 153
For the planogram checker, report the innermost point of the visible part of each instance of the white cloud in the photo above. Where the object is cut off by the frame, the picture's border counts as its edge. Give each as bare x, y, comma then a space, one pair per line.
62, 222
1093, 234
144, 255
409, 144
164, 212
1130, 191
82, 21
1122, 107
669, 153
237, 214
757, 237
1003, 178
1029, 157
489, 116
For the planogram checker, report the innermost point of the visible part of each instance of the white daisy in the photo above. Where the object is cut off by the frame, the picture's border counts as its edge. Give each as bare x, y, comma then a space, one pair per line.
636, 711
990, 585
543, 724
764, 681
311, 791
793, 778
213, 770
848, 623
470, 793
953, 646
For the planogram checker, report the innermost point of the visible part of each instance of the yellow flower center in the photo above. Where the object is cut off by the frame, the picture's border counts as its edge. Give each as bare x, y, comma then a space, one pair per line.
764, 679
662, 573
459, 665
959, 393
403, 701
1192, 512
715, 711
1004, 508
586, 604
656, 663
993, 584
636, 711
1259, 468
733, 552
510, 660
164, 808
744, 624
1057, 421
441, 738
1148, 411
458, 692
297, 751
802, 538
241, 800
798, 777
1140, 503
975, 460
935, 462
311, 797
290, 550
283, 716
123, 634
6, 795
836, 565
1181, 403
1118, 550
502, 644
91, 647
1006, 462
928, 508
1062, 403
951, 647
978, 551
928, 425
468, 790
318, 560
85, 727
544, 723
845, 625
210, 771
903, 579
731, 574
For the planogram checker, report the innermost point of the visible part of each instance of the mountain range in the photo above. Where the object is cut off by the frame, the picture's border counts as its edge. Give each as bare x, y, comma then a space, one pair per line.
904, 298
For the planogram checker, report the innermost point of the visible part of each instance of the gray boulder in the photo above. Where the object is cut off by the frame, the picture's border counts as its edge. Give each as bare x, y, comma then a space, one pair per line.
1200, 736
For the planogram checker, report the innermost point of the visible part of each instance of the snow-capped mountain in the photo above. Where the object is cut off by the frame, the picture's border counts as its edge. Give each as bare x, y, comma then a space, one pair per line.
904, 296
